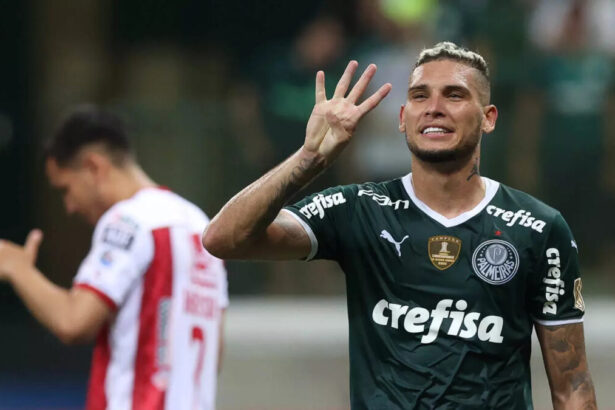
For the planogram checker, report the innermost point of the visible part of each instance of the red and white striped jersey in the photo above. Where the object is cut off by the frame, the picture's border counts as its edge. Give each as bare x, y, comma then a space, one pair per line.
147, 263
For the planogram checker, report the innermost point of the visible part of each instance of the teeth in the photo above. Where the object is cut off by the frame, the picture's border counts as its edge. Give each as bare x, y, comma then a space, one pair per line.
429, 130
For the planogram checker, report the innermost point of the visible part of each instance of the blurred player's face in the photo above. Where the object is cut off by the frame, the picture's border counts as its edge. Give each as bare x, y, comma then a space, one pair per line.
443, 117
79, 189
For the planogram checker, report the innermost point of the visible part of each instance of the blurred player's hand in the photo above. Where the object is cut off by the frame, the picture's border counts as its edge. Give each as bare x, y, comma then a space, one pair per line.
333, 121
15, 258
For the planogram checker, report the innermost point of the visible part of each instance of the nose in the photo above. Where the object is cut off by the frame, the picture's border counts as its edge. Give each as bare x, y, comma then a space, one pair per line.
435, 107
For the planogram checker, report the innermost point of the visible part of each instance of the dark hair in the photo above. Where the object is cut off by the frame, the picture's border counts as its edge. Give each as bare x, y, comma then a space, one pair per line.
86, 125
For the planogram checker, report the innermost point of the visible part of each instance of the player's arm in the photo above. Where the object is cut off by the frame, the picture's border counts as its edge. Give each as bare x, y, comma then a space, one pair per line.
563, 352
250, 225
72, 315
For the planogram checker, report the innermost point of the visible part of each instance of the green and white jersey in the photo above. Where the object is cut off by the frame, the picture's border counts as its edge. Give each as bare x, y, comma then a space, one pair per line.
441, 310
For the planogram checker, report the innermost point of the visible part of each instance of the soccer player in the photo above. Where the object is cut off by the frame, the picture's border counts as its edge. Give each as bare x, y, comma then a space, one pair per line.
148, 291
447, 272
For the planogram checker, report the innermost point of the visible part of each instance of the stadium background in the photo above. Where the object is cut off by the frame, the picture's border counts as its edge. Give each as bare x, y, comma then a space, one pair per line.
217, 92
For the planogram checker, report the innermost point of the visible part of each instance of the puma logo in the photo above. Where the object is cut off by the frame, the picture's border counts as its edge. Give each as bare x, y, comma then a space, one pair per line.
386, 235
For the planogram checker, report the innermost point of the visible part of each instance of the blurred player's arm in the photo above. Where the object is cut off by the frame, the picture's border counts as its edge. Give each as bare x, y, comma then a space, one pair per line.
250, 225
72, 315
563, 352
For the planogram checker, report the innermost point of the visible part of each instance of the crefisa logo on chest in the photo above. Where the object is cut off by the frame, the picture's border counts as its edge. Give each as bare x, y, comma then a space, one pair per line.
495, 261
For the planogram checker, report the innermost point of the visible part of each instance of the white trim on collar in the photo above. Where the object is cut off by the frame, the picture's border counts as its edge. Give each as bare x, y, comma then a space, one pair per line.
491, 188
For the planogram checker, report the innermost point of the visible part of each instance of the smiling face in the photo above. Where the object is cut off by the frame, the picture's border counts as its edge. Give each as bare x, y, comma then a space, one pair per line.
446, 111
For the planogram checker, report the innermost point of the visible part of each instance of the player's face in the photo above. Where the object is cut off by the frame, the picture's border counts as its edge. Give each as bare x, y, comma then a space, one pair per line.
78, 187
443, 117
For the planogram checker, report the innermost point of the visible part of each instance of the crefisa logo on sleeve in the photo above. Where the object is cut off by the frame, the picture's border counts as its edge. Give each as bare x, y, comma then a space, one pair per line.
495, 261
321, 202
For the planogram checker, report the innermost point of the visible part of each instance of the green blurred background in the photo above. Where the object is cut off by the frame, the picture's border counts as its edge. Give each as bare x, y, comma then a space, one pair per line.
217, 92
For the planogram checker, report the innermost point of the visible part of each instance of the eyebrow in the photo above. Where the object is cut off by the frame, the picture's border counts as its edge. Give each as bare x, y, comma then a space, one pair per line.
447, 89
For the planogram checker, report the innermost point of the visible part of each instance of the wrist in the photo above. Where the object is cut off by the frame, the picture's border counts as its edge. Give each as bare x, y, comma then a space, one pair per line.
19, 273
311, 159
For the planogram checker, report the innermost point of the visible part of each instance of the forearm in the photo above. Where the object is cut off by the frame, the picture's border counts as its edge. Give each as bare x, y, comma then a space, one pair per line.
248, 214
48, 303
563, 350
580, 394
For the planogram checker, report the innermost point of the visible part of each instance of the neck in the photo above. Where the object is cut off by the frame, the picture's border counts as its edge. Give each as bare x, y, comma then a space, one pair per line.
448, 189
125, 182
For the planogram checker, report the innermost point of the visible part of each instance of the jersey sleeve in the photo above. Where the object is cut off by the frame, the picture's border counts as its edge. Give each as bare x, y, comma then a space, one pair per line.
325, 217
556, 289
121, 252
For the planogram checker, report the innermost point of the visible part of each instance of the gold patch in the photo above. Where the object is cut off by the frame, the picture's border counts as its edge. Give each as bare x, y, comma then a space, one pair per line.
443, 251
578, 298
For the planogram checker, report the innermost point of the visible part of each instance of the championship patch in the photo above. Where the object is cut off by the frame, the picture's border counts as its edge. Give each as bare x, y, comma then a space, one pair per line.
578, 298
495, 261
443, 251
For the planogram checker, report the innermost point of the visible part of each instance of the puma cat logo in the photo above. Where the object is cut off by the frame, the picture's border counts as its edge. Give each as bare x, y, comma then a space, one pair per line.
386, 235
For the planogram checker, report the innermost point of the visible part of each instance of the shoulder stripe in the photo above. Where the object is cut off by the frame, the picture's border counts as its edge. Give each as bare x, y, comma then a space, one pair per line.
558, 322
310, 233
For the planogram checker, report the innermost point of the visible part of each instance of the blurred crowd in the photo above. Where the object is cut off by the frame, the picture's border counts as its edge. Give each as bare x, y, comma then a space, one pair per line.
224, 94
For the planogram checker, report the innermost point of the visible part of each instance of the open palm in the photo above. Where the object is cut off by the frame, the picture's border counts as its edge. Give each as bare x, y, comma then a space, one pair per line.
333, 121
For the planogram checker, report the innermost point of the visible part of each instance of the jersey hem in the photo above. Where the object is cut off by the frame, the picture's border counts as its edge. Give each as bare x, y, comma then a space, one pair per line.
558, 322
106, 299
310, 233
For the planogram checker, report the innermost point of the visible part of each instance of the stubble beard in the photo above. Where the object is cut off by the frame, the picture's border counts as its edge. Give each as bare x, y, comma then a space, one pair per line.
458, 155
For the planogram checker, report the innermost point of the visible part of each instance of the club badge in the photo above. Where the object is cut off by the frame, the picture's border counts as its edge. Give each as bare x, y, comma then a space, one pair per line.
443, 251
495, 261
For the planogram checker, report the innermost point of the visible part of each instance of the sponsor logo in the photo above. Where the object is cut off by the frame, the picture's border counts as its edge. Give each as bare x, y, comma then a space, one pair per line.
495, 261
120, 232
384, 200
321, 202
199, 305
443, 251
555, 286
578, 298
386, 235
119, 237
466, 325
520, 217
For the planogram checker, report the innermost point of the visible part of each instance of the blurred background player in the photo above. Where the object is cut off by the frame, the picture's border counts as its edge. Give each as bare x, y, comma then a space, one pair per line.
147, 290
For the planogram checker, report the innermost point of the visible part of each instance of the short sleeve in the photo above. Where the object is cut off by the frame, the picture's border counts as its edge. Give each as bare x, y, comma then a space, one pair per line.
121, 252
325, 216
556, 289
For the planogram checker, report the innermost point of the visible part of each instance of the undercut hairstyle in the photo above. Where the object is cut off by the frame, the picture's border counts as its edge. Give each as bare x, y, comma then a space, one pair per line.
447, 50
89, 125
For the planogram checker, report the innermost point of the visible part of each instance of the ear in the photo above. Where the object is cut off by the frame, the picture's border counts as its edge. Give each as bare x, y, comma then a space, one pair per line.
98, 165
490, 116
402, 119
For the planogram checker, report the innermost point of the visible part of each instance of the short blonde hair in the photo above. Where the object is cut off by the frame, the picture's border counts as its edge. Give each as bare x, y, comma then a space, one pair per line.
447, 50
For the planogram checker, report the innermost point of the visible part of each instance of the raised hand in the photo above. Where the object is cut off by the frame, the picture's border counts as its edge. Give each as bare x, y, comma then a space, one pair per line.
14, 258
333, 121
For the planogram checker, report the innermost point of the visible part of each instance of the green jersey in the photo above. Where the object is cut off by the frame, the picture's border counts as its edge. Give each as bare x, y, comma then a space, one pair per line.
441, 310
